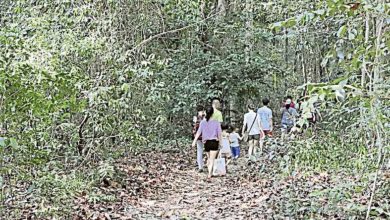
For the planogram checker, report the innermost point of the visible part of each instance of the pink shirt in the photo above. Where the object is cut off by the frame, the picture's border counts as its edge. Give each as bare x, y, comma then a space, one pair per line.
210, 130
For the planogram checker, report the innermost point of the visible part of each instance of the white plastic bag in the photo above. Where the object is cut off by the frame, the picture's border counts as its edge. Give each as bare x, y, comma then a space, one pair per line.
219, 168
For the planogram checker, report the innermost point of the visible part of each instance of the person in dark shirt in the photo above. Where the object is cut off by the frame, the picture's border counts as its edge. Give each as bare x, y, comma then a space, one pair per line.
289, 97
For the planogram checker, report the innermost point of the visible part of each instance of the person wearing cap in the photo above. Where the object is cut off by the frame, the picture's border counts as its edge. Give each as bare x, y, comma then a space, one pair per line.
292, 104
252, 125
289, 115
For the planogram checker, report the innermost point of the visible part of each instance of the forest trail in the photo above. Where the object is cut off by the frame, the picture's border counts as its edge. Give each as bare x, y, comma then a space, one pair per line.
166, 185
225, 197
97, 100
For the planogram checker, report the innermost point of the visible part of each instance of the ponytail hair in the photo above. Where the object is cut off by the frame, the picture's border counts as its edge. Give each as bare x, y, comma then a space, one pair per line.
209, 112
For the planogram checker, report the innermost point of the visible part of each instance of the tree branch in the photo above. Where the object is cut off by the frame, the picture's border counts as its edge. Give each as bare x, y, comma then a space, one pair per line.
172, 31
80, 144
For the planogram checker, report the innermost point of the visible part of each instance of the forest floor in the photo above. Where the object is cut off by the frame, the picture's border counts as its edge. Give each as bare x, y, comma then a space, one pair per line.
166, 185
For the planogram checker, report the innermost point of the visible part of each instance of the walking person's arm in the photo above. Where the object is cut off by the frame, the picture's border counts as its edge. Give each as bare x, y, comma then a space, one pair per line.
261, 128
219, 133
271, 125
196, 138
198, 133
220, 140
243, 126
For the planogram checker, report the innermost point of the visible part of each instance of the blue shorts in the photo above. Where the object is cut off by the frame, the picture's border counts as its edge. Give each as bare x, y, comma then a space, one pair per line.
235, 151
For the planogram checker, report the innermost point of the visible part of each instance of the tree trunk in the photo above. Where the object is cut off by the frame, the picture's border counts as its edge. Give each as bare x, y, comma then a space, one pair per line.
377, 66
221, 8
286, 43
248, 33
203, 29
364, 67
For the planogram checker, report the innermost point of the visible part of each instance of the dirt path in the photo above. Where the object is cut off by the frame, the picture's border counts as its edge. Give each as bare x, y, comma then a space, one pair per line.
166, 185
183, 193
193, 197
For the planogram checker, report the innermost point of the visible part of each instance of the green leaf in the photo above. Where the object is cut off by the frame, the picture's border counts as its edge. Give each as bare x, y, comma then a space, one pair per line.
125, 87
341, 32
343, 82
2, 142
290, 23
277, 26
13, 142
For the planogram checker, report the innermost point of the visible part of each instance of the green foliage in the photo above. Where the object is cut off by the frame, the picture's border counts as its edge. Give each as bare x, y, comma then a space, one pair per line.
335, 155
83, 83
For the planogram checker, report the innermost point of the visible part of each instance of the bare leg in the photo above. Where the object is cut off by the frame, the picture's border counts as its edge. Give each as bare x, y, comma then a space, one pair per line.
208, 160
212, 156
227, 159
283, 134
255, 144
261, 145
250, 151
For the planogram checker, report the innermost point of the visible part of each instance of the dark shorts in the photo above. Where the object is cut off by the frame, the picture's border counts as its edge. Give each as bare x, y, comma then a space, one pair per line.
267, 133
211, 145
254, 137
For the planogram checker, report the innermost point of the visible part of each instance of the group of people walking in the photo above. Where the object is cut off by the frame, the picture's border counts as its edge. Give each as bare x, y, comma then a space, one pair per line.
219, 139
208, 134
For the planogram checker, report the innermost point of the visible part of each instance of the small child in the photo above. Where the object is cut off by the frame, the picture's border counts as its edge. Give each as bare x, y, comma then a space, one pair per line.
225, 151
234, 142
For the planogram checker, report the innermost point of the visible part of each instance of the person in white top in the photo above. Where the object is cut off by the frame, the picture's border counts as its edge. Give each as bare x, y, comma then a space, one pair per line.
252, 125
225, 150
265, 115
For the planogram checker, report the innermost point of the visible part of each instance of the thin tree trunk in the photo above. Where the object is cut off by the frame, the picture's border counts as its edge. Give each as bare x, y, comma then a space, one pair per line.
286, 43
377, 60
248, 33
296, 57
203, 30
303, 61
376, 104
364, 68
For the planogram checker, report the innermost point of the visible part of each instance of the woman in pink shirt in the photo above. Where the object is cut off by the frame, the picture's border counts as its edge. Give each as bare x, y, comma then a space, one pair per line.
211, 136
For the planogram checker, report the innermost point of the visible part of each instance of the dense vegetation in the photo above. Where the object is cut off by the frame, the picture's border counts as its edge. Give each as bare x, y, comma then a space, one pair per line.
86, 84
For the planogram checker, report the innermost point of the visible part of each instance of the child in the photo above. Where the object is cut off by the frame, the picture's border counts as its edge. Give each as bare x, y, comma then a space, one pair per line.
225, 151
234, 142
